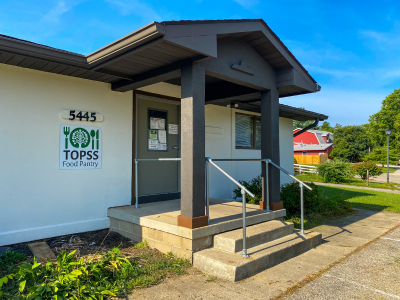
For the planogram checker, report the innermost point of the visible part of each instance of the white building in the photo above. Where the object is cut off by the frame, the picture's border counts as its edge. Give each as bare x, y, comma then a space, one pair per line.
167, 90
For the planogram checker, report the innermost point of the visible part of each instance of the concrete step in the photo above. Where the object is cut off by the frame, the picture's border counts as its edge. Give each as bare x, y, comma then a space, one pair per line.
233, 267
232, 241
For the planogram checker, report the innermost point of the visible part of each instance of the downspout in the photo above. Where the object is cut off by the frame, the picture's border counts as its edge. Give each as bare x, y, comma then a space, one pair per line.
306, 128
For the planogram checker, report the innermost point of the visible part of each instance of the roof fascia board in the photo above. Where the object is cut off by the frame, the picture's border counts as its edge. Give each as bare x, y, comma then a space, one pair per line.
42, 52
303, 112
219, 27
126, 43
274, 39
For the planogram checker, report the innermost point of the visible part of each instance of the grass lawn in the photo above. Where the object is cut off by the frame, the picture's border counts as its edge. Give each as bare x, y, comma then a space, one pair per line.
310, 177
334, 208
365, 199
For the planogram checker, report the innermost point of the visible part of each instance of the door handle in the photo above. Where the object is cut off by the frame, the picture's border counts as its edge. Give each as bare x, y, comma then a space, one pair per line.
176, 148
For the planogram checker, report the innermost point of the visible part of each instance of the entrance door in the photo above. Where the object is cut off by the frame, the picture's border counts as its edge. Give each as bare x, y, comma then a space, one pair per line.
158, 180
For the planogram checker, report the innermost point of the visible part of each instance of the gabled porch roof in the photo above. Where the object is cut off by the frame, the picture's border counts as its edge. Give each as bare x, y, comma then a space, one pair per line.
157, 52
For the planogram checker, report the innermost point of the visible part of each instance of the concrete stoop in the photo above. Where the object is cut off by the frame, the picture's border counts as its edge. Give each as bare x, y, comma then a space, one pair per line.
276, 244
232, 241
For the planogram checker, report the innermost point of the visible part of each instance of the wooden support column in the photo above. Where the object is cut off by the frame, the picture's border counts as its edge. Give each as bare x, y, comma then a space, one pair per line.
192, 147
270, 147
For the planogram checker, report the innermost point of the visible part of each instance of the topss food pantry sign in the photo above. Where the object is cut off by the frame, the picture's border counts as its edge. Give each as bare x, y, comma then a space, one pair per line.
80, 147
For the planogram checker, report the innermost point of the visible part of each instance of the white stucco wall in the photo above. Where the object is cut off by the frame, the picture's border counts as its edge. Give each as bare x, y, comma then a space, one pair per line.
37, 199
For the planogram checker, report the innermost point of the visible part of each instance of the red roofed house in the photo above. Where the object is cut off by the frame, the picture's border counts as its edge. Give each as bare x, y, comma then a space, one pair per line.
312, 142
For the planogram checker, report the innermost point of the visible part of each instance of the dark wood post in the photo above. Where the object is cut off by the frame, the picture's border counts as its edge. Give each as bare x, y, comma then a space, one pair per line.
270, 147
193, 147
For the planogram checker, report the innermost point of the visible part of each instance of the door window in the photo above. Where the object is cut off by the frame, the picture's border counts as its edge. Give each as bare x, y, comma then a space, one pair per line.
157, 123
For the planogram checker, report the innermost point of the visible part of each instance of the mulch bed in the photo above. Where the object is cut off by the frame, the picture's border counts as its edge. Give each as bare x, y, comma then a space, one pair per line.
84, 243
91, 242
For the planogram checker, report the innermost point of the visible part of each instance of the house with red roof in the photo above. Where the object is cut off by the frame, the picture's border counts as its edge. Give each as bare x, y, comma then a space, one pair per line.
312, 142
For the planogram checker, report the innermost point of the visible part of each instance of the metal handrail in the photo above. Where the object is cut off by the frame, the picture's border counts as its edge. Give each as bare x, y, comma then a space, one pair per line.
242, 188
136, 174
268, 161
243, 191
302, 184
209, 160
287, 173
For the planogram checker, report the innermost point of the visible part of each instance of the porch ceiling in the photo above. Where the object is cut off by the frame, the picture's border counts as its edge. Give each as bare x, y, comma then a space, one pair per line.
158, 50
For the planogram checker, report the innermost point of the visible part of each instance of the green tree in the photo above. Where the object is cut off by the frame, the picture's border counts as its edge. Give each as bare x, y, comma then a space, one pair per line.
351, 143
387, 117
303, 124
326, 126
337, 126
379, 156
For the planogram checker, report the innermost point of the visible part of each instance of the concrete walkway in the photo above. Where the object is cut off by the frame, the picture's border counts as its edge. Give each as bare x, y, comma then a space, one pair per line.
340, 239
393, 177
358, 187
371, 273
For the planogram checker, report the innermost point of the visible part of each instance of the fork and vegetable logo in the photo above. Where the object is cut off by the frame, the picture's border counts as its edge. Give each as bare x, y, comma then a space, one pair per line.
79, 137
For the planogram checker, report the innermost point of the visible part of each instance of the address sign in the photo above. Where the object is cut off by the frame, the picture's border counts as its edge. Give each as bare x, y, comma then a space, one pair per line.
79, 115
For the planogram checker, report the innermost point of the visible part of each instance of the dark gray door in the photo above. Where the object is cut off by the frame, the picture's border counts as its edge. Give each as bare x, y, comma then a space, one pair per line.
157, 180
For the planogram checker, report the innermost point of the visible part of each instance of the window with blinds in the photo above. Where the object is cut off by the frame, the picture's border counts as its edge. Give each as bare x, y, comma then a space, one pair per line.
248, 131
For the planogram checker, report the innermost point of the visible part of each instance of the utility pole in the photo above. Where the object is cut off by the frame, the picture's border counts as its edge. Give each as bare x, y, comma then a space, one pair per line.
388, 131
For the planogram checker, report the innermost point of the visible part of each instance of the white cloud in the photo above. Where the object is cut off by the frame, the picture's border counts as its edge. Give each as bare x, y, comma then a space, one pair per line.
135, 7
247, 3
55, 13
386, 39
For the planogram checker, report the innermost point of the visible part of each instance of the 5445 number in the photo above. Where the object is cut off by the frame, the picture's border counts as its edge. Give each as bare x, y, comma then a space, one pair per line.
82, 115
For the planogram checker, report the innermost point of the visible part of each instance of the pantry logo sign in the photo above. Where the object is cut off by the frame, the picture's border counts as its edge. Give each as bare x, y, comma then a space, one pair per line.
80, 147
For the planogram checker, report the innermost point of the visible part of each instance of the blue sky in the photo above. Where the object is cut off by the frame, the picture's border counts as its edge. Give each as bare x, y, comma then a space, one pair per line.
350, 47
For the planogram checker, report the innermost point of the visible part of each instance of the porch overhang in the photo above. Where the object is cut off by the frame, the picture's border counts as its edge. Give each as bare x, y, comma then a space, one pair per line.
157, 52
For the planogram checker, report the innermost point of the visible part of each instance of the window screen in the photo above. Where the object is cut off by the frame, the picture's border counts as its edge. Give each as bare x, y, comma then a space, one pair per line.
244, 131
258, 133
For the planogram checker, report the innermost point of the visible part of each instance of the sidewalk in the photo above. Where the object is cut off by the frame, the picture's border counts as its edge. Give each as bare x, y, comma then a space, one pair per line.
358, 187
393, 177
371, 273
340, 239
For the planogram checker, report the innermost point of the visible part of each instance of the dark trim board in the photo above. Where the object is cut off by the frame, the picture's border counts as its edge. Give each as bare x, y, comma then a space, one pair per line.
159, 197
139, 92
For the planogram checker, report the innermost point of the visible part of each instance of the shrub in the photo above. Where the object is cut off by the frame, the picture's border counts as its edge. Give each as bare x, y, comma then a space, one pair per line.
361, 169
334, 171
290, 196
254, 186
294, 160
9, 260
